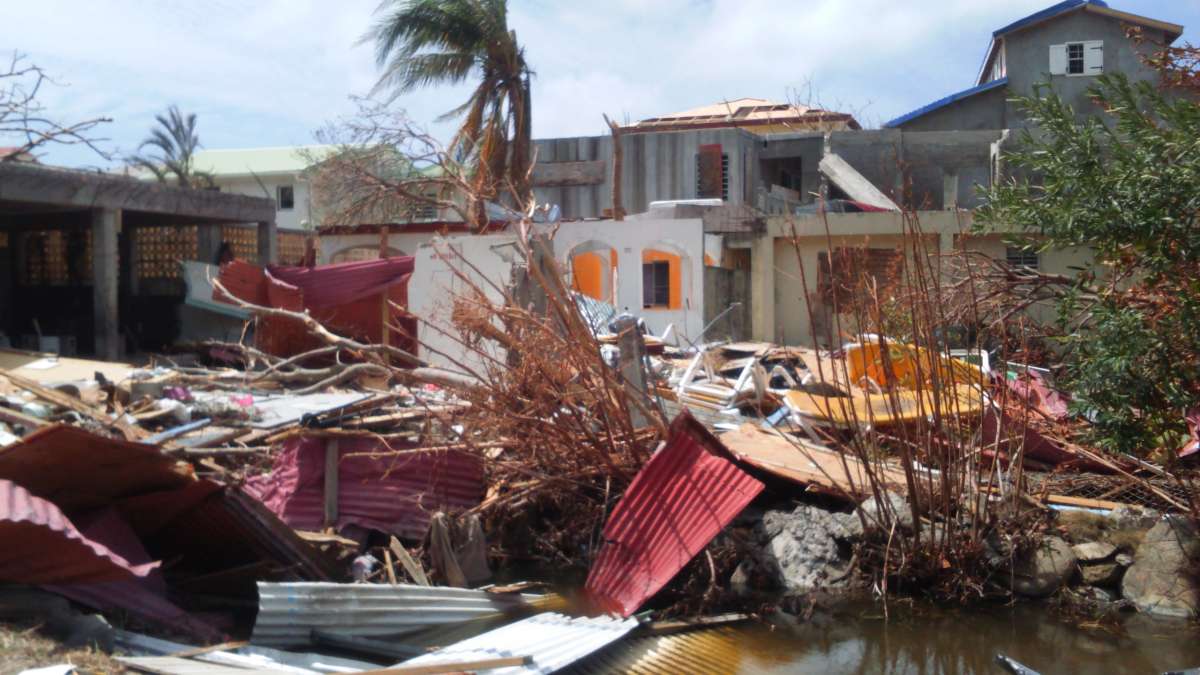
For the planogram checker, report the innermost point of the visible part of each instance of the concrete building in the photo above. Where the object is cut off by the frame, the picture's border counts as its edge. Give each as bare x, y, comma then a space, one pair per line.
276, 173
1066, 45
92, 258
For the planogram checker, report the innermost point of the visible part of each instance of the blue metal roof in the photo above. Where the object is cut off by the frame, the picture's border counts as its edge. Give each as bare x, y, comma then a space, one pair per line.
943, 102
1052, 10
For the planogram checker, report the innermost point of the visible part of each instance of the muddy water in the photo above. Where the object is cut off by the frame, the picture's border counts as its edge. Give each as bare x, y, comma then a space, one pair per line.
930, 640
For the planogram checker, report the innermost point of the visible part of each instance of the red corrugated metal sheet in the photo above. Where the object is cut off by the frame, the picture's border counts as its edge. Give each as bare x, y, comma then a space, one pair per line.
132, 500
686, 494
347, 298
79, 470
48, 549
396, 494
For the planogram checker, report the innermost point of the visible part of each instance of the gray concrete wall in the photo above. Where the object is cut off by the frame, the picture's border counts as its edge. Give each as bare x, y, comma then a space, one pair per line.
927, 157
655, 166
981, 111
1028, 57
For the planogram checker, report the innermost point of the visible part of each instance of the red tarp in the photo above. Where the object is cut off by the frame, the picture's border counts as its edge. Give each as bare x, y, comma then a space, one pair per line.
347, 298
390, 493
684, 496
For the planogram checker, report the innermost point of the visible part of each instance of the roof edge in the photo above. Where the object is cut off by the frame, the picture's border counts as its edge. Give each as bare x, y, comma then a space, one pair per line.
945, 101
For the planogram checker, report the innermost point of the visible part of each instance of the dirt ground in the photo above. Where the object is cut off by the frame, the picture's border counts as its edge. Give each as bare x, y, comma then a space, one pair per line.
23, 646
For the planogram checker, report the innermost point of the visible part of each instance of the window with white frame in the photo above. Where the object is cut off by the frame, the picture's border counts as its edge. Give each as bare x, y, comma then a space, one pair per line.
1076, 59
1019, 256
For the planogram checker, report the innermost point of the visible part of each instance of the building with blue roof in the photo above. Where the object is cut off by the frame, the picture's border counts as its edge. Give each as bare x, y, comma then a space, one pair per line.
1066, 44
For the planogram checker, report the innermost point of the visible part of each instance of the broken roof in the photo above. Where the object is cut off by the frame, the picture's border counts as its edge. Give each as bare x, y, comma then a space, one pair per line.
746, 112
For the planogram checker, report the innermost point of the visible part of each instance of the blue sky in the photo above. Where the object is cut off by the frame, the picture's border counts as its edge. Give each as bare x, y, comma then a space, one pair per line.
270, 72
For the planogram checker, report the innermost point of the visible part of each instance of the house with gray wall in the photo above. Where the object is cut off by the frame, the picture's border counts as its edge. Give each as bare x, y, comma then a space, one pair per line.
1066, 45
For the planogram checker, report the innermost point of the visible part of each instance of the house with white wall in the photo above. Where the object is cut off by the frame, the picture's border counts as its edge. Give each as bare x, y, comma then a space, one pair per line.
277, 173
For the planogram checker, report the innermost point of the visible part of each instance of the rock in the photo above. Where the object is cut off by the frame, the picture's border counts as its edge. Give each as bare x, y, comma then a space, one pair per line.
1093, 551
1043, 570
1159, 581
1124, 559
806, 549
897, 506
1127, 516
1101, 574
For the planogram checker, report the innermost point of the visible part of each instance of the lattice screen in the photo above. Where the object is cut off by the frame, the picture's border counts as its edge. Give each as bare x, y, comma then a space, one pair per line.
291, 247
243, 240
160, 248
58, 258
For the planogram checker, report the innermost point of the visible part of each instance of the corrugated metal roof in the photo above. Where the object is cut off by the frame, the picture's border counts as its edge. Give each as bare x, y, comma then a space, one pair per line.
942, 102
714, 650
396, 494
79, 470
552, 642
686, 494
287, 613
42, 546
261, 161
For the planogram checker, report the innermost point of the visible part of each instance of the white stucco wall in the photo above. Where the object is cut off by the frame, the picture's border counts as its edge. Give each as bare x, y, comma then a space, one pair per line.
294, 218
684, 237
434, 285
403, 243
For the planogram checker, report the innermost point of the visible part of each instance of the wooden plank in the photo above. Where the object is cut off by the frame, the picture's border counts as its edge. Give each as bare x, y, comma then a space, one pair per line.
16, 417
331, 482
565, 174
411, 566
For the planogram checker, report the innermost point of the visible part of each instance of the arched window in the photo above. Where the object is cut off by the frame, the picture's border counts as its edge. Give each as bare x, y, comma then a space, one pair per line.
359, 253
593, 268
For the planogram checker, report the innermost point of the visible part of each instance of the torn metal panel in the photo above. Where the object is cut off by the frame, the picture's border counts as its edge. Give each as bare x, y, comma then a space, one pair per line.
551, 641
289, 612
79, 470
686, 494
853, 183
42, 546
391, 492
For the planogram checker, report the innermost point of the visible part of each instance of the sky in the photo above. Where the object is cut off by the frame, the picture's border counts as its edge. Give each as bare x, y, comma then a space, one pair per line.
271, 72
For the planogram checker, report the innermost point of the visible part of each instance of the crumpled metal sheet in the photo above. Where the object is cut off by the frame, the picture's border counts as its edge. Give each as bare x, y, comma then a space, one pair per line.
289, 612
551, 641
390, 493
47, 548
682, 498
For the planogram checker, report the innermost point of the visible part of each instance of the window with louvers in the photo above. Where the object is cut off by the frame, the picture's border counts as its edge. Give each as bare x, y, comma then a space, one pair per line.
712, 173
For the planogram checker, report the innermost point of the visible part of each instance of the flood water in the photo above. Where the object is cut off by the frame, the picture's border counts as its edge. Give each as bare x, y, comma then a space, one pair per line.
932, 640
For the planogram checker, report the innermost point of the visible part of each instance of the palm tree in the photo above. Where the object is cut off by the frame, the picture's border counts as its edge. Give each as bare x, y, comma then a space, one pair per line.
176, 141
419, 43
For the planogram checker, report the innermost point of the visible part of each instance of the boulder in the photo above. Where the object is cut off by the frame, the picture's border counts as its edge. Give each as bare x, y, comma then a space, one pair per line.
897, 505
1094, 551
1043, 570
803, 550
1101, 574
1124, 559
1127, 516
1159, 581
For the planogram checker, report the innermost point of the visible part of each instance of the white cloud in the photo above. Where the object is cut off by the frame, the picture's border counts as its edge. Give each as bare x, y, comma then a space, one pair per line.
272, 71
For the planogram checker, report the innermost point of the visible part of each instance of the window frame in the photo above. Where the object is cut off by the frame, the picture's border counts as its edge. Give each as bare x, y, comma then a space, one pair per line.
1080, 59
291, 189
1018, 258
651, 291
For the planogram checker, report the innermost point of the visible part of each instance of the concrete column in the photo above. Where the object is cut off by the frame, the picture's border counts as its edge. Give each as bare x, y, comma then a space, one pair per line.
268, 242
106, 223
949, 189
762, 287
208, 242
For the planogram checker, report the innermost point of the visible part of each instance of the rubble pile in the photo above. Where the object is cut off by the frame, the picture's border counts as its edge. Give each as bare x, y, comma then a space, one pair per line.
349, 505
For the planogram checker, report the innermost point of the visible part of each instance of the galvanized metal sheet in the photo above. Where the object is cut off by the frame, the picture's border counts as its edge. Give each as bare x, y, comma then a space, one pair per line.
712, 650
551, 641
676, 504
288, 613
